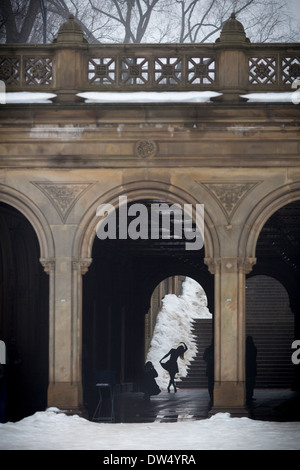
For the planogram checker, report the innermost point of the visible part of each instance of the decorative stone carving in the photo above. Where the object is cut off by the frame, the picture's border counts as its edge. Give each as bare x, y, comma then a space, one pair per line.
213, 264
290, 69
247, 264
262, 70
48, 264
134, 70
146, 148
229, 194
102, 70
168, 70
294, 70
82, 264
230, 265
38, 70
201, 70
151, 72
63, 196
10, 70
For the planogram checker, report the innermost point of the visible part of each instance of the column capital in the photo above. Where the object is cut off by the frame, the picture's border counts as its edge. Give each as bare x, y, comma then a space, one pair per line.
81, 264
48, 264
212, 264
230, 264
247, 264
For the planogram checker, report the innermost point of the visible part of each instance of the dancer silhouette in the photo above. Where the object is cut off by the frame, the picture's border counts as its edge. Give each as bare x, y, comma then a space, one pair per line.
171, 365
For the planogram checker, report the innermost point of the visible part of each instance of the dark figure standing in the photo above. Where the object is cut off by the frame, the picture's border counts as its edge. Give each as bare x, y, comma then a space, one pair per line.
171, 365
148, 383
251, 369
208, 357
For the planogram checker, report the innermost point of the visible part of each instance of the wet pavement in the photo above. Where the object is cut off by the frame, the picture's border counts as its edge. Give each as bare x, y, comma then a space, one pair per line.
194, 404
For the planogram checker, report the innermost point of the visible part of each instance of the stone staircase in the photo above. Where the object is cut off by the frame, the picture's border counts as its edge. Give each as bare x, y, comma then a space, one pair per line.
273, 340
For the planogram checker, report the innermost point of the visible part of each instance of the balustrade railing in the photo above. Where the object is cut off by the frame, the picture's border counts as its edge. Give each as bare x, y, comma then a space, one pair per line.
231, 67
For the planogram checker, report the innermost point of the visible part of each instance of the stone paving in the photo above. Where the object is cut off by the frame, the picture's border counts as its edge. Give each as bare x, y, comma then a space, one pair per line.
193, 404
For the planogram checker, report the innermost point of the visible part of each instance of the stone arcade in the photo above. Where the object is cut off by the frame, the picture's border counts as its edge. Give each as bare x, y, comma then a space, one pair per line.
60, 160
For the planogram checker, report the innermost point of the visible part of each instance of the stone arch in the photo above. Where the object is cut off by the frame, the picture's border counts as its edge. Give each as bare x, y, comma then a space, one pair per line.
139, 190
34, 215
25, 300
261, 213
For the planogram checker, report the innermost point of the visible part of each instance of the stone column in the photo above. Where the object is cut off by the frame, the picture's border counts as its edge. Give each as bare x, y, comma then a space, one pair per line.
65, 340
49, 268
229, 334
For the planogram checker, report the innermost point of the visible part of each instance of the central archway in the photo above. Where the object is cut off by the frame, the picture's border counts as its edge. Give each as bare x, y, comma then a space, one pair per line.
117, 291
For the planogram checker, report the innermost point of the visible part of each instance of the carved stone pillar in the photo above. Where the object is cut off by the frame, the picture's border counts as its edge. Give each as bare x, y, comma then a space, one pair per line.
229, 333
65, 387
49, 268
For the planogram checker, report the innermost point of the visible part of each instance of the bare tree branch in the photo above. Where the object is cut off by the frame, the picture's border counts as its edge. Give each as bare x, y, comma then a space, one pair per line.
135, 21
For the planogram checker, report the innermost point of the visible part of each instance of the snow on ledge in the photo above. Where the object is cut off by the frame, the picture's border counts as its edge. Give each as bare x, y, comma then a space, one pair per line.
148, 97
25, 97
283, 97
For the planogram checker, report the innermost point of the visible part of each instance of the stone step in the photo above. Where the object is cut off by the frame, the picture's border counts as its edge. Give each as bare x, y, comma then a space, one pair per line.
273, 341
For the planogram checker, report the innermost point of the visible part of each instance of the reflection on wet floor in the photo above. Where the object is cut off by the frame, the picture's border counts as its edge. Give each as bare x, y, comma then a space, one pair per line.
194, 404
166, 407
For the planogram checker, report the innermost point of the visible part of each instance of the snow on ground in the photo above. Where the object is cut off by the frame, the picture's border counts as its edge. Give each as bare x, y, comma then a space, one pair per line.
51, 430
54, 430
174, 325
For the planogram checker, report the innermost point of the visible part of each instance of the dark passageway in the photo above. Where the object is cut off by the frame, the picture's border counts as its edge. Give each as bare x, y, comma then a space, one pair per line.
24, 315
273, 298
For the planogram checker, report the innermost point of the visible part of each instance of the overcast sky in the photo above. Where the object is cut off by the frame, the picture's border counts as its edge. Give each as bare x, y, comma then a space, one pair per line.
295, 6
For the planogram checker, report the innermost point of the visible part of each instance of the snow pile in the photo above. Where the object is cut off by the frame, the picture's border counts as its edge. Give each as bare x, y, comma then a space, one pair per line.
174, 325
148, 96
52, 430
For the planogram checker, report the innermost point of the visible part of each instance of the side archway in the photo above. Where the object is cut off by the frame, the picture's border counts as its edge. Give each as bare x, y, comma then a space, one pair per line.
271, 236
261, 213
34, 215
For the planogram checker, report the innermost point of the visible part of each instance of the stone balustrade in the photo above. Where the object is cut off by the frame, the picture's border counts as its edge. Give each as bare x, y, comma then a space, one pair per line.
232, 65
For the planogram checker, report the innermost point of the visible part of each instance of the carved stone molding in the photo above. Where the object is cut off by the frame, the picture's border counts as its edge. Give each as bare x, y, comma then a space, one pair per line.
247, 264
212, 264
82, 264
229, 194
63, 196
230, 264
48, 264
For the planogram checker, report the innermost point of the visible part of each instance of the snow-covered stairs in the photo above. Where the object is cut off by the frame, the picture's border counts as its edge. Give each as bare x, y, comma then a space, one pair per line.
196, 378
